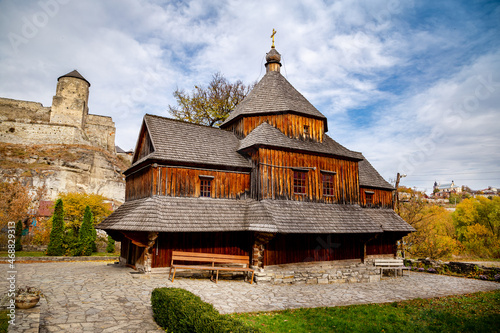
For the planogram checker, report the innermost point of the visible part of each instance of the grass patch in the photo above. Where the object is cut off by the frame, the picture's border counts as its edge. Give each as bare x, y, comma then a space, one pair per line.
42, 254
479, 312
4, 321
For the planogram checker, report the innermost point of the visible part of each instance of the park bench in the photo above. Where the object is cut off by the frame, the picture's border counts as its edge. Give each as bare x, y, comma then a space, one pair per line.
209, 261
395, 264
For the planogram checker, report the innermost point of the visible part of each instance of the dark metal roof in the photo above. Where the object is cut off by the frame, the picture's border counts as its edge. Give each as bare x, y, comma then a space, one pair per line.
274, 94
180, 141
74, 74
173, 214
267, 135
369, 177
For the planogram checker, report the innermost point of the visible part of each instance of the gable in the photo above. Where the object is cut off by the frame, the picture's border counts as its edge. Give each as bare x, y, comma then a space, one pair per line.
144, 146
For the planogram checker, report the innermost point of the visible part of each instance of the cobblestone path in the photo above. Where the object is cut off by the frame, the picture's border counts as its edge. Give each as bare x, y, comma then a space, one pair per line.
101, 297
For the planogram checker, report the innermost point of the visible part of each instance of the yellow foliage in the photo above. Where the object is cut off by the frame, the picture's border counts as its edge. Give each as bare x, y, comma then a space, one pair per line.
435, 233
74, 208
41, 233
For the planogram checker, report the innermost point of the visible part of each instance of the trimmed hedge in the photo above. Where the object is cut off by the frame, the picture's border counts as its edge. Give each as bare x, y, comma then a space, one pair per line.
178, 310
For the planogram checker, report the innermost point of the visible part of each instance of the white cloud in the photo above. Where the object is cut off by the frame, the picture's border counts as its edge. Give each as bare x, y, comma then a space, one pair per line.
385, 73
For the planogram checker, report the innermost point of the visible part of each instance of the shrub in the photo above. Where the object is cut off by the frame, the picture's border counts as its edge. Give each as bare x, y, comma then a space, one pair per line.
178, 310
19, 234
110, 248
483, 277
431, 270
421, 269
55, 247
86, 235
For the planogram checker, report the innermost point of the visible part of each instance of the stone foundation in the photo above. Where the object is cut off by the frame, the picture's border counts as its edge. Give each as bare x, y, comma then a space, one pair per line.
342, 271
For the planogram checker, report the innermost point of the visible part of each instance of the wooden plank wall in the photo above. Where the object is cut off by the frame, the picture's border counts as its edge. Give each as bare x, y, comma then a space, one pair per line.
381, 198
291, 125
275, 177
234, 243
384, 244
138, 185
145, 145
311, 247
184, 182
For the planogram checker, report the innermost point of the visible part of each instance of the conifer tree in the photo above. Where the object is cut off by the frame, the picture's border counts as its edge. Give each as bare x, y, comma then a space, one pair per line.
19, 234
86, 235
55, 247
110, 248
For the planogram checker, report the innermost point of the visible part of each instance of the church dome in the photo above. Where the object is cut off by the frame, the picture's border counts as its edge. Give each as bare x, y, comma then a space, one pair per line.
273, 56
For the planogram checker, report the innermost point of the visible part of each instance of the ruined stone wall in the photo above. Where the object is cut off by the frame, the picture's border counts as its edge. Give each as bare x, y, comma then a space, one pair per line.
100, 131
23, 111
34, 134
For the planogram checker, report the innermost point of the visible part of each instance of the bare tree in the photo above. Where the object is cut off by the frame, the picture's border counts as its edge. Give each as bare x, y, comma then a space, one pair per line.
209, 105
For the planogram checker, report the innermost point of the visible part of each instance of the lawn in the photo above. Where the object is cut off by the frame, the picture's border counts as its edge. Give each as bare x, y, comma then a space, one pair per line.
4, 321
479, 312
42, 254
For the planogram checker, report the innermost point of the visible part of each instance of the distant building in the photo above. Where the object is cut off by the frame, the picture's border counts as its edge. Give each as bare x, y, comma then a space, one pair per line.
488, 192
444, 190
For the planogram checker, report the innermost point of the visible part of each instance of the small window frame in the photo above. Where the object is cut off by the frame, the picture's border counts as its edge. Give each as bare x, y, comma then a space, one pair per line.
299, 181
206, 186
328, 183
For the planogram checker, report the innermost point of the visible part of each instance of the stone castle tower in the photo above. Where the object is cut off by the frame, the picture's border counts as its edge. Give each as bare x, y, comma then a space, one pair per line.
70, 104
67, 121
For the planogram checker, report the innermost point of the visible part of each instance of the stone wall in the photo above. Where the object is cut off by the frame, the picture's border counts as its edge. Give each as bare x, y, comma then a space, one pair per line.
325, 272
100, 131
70, 104
23, 111
35, 134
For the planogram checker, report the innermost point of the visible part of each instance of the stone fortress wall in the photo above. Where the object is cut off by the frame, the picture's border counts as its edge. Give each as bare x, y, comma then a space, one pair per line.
67, 121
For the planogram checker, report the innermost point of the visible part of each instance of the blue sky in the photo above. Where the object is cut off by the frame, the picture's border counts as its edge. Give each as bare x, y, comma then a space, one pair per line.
414, 85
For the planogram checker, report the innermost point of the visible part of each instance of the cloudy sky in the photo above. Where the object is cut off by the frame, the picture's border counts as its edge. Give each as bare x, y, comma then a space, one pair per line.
414, 85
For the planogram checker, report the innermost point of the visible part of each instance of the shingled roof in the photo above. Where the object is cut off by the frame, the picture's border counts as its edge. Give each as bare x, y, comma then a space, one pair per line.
267, 135
173, 214
369, 177
74, 74
274, 94
180, 141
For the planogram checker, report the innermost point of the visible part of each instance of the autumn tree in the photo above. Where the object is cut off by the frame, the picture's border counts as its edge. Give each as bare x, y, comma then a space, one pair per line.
55, 247
477, 223
14, 202
75, 205
209, 105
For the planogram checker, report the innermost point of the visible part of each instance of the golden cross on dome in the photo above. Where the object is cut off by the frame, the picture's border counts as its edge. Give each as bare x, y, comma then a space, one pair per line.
272, 36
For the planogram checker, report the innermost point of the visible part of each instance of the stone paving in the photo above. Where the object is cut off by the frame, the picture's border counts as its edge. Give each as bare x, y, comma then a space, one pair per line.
102, 297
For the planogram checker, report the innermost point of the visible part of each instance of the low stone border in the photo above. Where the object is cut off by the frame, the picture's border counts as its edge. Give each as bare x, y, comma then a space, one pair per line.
4, 260
342, 271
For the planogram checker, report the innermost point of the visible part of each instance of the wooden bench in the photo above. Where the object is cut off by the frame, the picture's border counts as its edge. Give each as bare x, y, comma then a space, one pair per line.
209, 258
395, 264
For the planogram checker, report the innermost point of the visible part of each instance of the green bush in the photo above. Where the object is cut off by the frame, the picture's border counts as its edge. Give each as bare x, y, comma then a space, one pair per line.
86, 234
110, 248
19, 234
55, 247
178, 310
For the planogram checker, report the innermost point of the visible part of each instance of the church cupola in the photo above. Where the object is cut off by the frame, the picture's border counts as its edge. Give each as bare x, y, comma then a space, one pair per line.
273, 58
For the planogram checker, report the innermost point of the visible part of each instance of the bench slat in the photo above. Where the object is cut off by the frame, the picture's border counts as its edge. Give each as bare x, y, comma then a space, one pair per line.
210, 258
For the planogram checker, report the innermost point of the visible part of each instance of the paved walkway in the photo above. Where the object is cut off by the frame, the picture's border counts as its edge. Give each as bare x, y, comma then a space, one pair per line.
101, 297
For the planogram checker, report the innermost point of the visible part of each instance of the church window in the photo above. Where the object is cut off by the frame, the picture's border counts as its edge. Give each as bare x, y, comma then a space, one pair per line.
369, 198
328, 183
206, 186
299, 182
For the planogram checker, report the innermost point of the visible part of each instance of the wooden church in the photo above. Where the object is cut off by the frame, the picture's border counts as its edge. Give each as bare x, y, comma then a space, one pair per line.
268, 184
